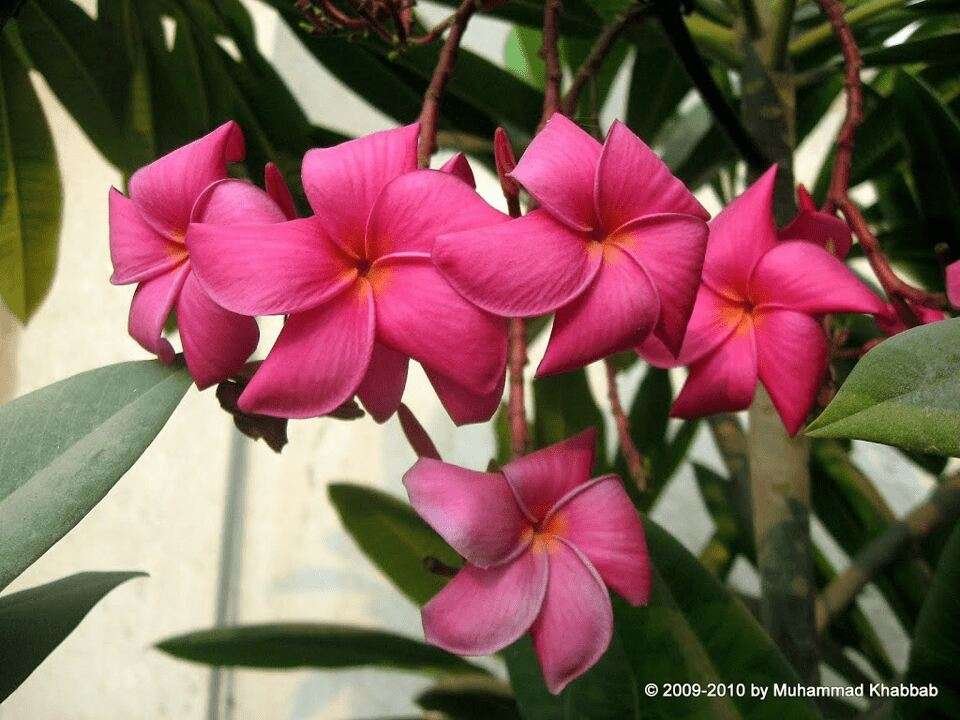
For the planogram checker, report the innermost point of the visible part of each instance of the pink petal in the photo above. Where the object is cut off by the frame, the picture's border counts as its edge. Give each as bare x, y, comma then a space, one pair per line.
722, 381
541, 478
603, 524
740, 236
342, 182
526, 267
236, 202
420, 315
802, 276
216, 342
465, 407
792, 359
632, 182
459, 167
278, 190
475, 512
558, 169
823, 229
656, 353
671, 249
152, 303
953, 283
382, 386
318, 360
575, 626
166, 189
271, 269
138, 252
617, 311
480, 612
414, 209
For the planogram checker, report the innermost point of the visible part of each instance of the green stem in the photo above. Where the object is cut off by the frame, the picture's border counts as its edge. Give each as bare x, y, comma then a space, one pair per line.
782, 23
751, 19
719, 43
820, 34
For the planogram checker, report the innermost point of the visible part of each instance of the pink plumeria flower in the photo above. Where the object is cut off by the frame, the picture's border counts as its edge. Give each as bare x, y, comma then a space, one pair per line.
359, 289
542, 542
953, 283
148, 246
817, 226
891, 324
615, 248
757, 314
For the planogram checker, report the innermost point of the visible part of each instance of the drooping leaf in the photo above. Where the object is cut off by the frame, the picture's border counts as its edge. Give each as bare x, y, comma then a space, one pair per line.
904, 392
564, 406
470, 697
942, 48
327, 646
935, 651
35, 621
64, 446
30, 191
393, 537
658, 83
522, 58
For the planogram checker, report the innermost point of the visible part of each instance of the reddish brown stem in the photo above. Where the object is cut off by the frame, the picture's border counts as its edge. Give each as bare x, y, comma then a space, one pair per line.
899, 292
598, 53
434, 33
630, 453
430, 114
551, 58
516, 407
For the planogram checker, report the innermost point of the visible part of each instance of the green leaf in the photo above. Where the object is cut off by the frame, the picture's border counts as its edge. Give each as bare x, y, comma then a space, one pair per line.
521, 56
35, 621
658, 83
64, 446
935, 652
935, 49
30, 191
564, 406
470, 697
904, 392
394, 537
327, 646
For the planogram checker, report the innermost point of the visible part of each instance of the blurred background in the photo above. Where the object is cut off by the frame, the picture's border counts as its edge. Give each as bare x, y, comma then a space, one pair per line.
229, 531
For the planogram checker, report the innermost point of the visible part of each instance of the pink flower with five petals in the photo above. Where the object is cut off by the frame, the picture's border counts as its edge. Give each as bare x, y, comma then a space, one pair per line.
358, 286
542, 542
757, 315
615, 248
148, 246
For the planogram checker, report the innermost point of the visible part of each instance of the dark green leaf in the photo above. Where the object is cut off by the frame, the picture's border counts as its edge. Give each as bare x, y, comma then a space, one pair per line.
34, 622
470, 697
30, 192
564, 406
658, 83
904, 392
944, 48
64, 446
394, 537
327, 646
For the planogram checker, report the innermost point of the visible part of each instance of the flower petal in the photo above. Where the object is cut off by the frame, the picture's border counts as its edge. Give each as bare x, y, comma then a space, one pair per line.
166, 189
270, 269
792, 359
465, 407
632, 182
526, 267
152, 303
823, 229
137, 251
575, 626
740, 236
953, 283
802, 276
482, 611
459, 167
603, 524
236, 202
342, 182
318, 361
414, 209
541, 478
617, 311
278, 189
475, 512
382, 386
558, 169
670, 248
724, 380
216, 342
420, 315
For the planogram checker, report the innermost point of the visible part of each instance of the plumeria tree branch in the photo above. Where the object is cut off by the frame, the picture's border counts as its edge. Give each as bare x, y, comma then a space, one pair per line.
551, 58
940, 509
430, 114
898, 291
598, 53
631, 455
